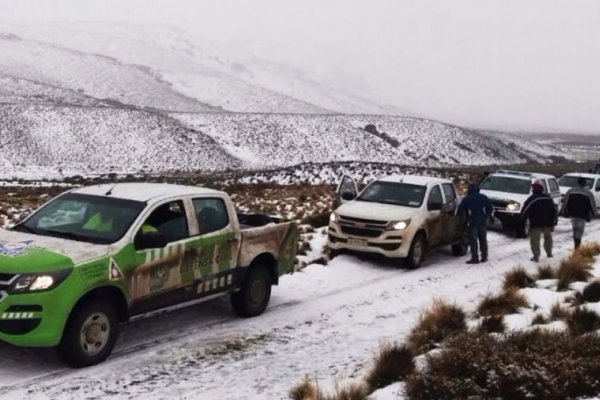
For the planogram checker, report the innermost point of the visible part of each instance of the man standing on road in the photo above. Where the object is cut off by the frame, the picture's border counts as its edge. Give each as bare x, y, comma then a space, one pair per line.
543, 215
479, 210
579, 204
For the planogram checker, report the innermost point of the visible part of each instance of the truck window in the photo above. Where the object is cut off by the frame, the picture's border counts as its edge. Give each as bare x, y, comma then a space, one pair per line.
170, 220
571, 181
545, 185
211, 214
598, 185
449, 193
435, 196
553, 185
399, 194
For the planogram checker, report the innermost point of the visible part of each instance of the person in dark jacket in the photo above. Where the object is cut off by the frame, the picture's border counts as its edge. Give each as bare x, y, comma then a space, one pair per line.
543, 216
579, 204
479, 210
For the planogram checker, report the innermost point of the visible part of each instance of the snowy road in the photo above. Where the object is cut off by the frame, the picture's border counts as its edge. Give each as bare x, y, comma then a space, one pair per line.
324, 321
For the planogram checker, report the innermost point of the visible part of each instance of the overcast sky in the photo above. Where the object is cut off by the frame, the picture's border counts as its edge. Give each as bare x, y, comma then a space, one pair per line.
508, 64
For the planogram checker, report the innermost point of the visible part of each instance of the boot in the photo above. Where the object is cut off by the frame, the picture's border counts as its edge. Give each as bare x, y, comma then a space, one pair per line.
473, 261
577, 243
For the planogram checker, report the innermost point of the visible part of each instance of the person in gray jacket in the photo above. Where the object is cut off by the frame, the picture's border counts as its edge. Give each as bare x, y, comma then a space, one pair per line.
579, 204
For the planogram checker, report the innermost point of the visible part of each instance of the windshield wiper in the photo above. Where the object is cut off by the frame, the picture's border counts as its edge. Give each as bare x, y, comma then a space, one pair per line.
67, 235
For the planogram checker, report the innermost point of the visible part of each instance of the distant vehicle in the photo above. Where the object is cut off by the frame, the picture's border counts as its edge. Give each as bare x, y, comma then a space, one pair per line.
398, 217
592, 182
95, 256
508, 191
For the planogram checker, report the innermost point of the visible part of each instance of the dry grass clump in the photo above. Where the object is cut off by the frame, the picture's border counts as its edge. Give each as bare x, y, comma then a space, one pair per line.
392, 364
558, 312
575, 268
309, 390
435, 324
518, 278
526, 365
582, 321
317, 220
539, 319
507, 302
591, 293
545, 272
588, 250
492, 324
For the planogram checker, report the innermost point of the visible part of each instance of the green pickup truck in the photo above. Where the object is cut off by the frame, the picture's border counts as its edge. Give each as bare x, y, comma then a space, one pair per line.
95, 256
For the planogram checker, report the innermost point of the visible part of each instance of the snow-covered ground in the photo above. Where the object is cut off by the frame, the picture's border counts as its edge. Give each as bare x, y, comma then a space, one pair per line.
325, 321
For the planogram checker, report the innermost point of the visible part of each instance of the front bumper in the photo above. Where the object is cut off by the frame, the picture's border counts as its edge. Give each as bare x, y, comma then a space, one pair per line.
508, 219
36, 319
391, 244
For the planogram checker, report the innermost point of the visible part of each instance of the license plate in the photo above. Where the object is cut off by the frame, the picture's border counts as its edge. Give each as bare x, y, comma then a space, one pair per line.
357, 242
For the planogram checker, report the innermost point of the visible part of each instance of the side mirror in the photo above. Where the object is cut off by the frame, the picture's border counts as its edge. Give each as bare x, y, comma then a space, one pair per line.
150, 240
434, 206
348, 196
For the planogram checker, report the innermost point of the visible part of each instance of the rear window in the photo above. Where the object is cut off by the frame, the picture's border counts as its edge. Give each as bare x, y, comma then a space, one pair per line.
571, 181
506, 184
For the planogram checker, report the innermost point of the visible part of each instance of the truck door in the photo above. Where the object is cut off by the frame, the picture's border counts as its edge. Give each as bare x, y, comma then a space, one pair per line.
346, 190
554, 190
452, 223
435, 204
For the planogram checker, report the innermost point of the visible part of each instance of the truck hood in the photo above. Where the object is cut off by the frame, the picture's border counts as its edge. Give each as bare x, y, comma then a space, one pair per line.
376, 211
23, 252
494, 195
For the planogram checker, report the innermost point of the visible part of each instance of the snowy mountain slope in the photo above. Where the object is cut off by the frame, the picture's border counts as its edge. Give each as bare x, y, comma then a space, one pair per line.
198, 70
284, 140
90, 139
93, 75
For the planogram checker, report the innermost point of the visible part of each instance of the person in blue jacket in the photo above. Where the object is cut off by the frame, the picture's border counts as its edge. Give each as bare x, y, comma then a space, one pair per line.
479, 210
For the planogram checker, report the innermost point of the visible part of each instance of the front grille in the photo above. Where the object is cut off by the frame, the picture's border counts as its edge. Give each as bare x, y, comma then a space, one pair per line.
373, 222
354, 231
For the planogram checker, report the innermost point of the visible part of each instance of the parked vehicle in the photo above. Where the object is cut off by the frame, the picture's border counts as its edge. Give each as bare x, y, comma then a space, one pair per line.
398, 217
508, 191
95, 256
592, 182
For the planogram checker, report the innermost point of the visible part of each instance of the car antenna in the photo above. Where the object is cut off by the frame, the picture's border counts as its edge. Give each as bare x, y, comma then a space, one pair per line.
110, 190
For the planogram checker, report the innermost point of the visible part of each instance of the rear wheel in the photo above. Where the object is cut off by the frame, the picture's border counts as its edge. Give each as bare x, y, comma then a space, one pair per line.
253, 297
90, 334
416, 254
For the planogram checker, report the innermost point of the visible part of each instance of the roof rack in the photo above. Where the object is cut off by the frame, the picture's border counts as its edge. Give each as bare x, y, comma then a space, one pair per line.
510, 172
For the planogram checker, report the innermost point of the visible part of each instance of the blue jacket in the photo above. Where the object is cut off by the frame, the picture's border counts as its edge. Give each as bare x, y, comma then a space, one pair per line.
477, 206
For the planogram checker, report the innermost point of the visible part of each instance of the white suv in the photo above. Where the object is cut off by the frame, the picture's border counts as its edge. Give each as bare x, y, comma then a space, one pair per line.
592, 182
508, 191
399, 217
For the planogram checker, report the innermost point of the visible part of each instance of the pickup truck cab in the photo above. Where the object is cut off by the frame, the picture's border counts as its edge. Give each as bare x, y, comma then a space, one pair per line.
508, 191
96, 256
592, 182
398, 217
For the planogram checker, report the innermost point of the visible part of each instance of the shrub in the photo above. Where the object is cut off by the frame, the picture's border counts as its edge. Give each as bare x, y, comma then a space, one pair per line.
546, 272
539, 319
527, 365
582, 321
309, 390
591, 293
437, 323
508, 302
391, 365
317, 220
305, 390
588, 250
572, 269
518, 278
558, 312
494, 323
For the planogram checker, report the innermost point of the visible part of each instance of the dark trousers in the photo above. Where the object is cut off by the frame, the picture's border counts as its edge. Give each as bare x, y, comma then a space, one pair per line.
477, 240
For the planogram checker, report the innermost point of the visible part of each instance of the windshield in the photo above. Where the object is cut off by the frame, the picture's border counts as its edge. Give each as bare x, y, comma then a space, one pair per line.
505, 184
399, 194
93, 219
571, 181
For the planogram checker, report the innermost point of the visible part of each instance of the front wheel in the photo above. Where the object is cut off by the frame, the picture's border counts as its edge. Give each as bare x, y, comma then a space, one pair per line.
416, 254
253, 297
90, 334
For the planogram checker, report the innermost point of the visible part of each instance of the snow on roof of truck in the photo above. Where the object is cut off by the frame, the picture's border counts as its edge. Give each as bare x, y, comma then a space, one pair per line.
143, 191
583, 175
414, 179
520, 174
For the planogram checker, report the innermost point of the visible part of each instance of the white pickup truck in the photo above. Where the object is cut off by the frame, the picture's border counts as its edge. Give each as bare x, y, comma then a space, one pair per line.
398, 217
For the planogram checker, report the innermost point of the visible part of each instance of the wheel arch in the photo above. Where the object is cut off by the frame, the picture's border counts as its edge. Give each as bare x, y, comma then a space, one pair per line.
270, 262
112, 294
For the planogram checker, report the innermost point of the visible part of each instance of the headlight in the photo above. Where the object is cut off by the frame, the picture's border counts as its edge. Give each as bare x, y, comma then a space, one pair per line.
333, 218
514, 206
40, 281
399, 226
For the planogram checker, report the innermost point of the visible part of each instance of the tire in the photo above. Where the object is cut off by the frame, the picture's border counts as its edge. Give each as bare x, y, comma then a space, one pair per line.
523, 229
254, 295
90, 334
416, 254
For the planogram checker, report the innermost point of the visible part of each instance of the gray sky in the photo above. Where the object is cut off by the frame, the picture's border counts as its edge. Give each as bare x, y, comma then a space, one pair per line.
508, 64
